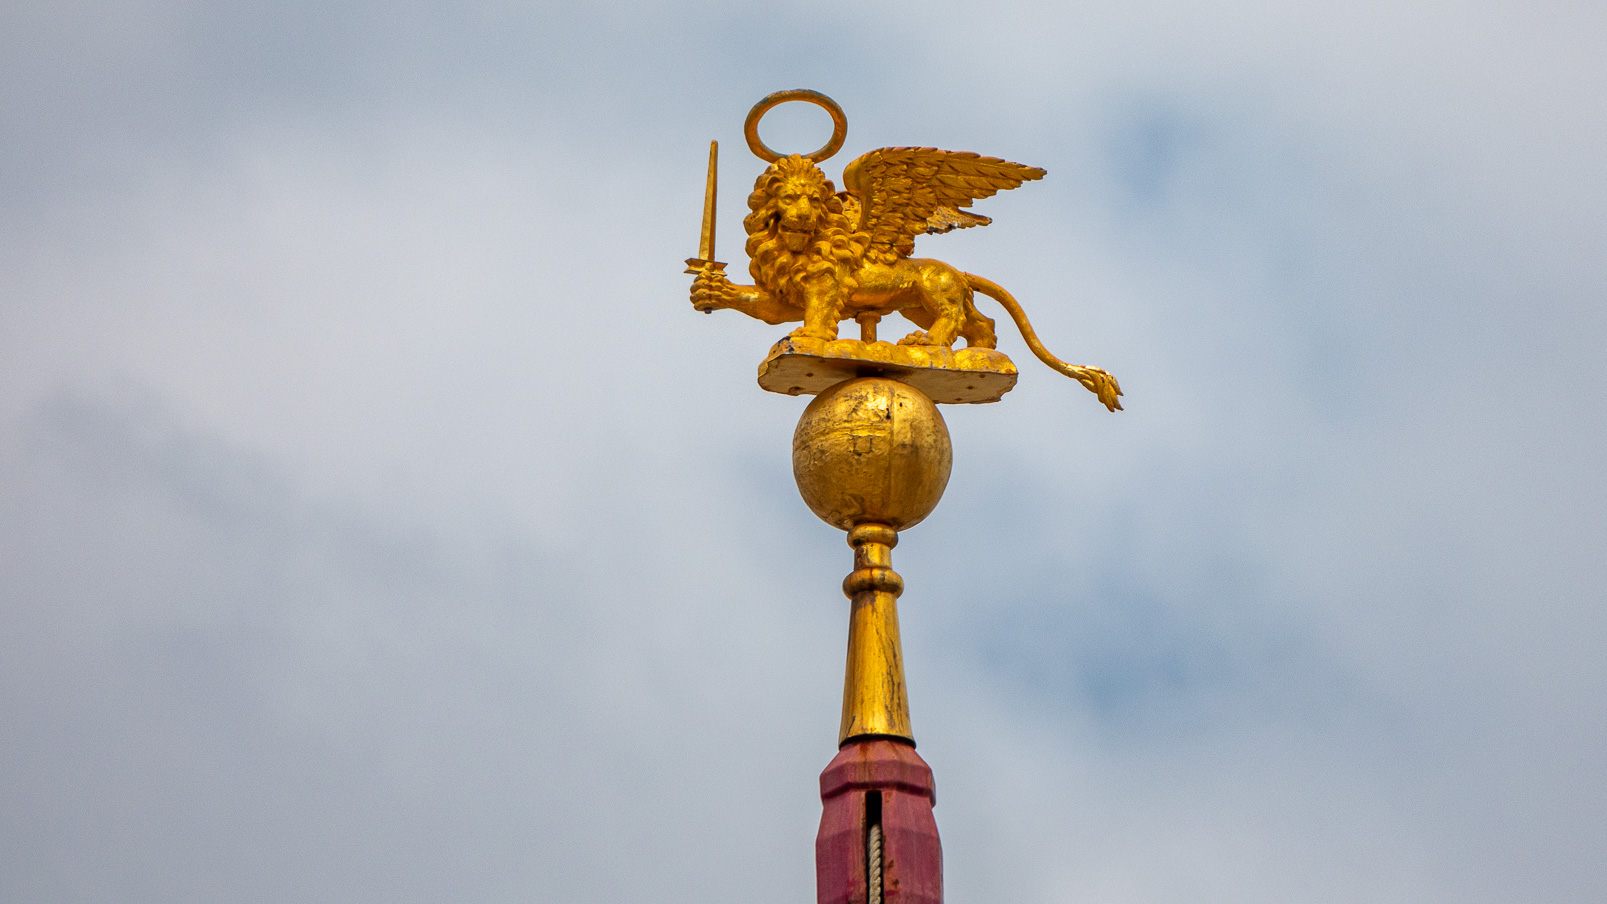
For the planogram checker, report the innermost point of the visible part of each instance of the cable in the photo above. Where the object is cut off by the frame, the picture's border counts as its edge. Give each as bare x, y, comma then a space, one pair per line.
873, 865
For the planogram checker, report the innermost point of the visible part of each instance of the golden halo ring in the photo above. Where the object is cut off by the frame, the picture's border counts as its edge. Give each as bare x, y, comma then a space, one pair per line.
839, 124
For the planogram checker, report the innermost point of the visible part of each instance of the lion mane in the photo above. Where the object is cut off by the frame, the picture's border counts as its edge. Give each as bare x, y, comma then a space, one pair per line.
835, 250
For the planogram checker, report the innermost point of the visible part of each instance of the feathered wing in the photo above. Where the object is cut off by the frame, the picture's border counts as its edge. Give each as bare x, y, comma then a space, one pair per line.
948, 219
904, 192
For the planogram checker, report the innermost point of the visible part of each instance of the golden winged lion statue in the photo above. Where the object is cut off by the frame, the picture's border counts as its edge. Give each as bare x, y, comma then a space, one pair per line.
821, 256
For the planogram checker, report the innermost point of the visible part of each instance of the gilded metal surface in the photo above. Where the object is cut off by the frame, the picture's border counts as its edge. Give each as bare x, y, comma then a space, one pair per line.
874, 699
871, 450
872, 456
945, 375
820, 256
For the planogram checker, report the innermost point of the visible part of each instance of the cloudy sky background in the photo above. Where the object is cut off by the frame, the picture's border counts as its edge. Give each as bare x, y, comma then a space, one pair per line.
379, 523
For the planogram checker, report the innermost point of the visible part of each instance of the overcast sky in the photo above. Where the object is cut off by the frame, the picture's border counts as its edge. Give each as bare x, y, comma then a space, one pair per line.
379, 523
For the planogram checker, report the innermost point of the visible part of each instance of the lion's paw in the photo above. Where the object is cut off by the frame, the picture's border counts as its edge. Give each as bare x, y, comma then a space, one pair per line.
919, 337
811, 332
711, 291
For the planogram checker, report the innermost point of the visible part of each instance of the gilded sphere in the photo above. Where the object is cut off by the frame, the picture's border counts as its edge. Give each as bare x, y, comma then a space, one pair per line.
871, 450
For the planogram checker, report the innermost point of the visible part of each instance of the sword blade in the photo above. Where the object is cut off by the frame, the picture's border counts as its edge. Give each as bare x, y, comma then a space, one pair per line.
705, 245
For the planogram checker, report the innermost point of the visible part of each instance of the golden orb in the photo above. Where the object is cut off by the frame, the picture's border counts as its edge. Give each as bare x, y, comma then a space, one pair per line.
871, 450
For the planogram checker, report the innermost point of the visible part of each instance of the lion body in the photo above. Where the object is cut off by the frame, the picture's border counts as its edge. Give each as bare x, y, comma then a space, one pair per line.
811, 265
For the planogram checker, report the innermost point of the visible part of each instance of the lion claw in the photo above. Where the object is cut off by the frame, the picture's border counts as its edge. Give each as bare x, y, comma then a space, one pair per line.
810, 332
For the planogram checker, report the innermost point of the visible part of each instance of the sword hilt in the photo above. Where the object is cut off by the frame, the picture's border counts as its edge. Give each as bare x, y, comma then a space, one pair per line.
697, 266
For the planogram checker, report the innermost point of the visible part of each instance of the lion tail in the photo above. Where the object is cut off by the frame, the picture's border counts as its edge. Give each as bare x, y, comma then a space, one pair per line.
1095, 379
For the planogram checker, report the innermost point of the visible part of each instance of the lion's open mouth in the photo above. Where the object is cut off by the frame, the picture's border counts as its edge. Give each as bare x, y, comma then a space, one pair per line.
795, 239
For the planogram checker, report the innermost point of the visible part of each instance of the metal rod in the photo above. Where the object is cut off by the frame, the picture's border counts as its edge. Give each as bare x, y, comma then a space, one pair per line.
867, 326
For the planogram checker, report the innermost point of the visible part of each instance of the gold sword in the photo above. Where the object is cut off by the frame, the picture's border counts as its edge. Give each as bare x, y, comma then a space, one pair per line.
705, 262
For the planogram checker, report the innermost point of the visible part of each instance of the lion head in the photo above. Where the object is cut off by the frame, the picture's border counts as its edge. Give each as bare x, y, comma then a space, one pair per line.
797, 229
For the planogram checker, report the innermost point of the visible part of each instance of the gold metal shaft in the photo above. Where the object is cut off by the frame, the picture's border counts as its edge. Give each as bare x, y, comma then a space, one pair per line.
871, 455
874, 699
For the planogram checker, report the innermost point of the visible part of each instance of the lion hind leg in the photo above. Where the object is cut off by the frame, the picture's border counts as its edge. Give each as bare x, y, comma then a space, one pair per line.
944, 295
978, 328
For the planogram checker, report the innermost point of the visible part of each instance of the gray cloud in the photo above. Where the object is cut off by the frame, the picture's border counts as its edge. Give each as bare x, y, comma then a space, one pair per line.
379, 524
